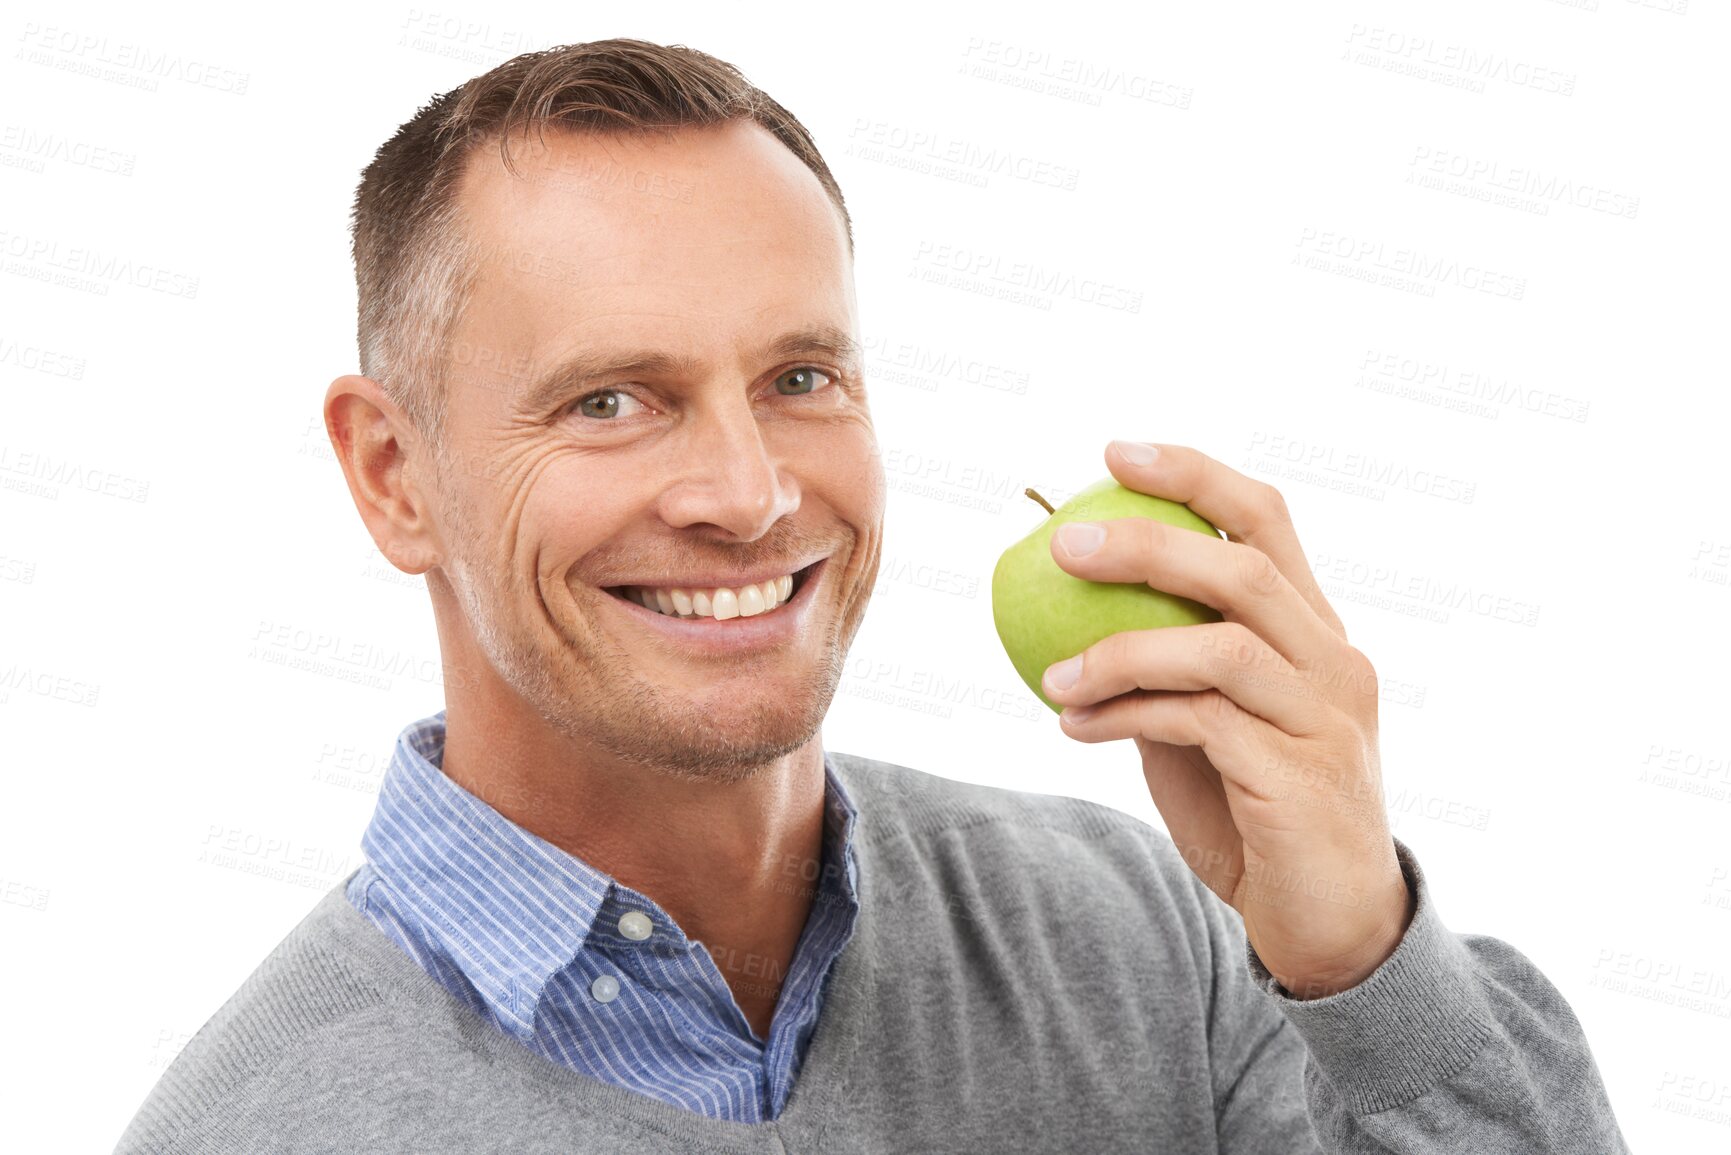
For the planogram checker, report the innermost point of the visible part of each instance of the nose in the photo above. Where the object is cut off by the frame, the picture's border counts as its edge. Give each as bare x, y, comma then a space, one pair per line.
726, 474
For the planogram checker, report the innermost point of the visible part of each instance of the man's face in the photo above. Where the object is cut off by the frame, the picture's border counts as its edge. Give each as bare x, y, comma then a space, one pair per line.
739, 445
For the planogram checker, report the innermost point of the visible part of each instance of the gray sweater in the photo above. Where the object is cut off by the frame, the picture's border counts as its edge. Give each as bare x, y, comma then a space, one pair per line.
1028, 973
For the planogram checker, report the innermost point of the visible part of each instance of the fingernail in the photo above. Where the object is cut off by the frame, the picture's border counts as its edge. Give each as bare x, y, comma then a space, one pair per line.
1081, 538
1062, 675
1078, 713
1136, 452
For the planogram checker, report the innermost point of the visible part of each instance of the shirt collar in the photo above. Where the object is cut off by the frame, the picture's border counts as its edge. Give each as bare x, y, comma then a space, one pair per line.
509, 908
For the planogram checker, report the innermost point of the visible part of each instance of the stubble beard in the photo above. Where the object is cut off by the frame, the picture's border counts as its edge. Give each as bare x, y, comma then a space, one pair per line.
566, 681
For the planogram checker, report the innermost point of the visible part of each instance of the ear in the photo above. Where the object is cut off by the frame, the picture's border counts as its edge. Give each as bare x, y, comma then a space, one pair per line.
383, 460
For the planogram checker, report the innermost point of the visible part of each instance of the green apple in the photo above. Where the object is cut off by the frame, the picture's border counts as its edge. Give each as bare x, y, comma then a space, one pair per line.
1045, 614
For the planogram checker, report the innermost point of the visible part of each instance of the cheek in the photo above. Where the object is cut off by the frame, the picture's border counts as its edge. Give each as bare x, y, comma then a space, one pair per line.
562, 517
846, 470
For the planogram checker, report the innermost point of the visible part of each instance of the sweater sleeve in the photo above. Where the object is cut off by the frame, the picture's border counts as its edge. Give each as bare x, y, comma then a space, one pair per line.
1455, 1043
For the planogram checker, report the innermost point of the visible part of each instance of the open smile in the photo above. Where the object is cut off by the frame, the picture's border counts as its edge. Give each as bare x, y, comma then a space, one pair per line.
725, 619
743, 600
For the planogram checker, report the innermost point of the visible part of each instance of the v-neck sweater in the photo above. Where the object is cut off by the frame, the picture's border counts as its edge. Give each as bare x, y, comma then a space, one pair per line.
1029, 972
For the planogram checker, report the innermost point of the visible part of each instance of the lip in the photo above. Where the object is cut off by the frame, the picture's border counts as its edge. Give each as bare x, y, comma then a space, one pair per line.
735, 635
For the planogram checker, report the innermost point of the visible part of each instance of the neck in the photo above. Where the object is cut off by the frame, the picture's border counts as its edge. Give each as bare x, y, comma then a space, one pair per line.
727, 860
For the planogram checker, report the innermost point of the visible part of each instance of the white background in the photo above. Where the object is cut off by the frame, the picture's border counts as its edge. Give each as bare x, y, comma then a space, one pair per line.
1530, 426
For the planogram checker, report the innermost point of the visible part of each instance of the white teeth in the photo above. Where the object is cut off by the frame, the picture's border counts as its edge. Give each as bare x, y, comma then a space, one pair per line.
722, 603
751, 601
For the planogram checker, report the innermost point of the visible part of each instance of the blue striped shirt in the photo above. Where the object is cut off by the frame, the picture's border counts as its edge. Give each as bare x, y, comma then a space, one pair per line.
558, 954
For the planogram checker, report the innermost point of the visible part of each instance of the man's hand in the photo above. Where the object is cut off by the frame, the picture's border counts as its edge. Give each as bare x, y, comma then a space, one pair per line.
1257, 733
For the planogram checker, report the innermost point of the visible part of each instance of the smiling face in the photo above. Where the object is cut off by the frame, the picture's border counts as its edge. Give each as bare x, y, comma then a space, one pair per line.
655, 383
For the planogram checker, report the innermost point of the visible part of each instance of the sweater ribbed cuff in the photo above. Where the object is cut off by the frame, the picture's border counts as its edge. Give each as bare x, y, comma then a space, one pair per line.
1416, 1020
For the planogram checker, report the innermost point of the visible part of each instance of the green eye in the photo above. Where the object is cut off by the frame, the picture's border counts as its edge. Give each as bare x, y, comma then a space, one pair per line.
600, 405
802, 380
603, 404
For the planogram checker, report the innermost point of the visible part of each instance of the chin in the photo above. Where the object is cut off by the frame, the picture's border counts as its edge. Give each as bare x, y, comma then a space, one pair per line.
633, 705
761, 724
718, 735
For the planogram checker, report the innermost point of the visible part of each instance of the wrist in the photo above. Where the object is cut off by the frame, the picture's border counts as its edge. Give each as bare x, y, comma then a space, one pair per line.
1345, 974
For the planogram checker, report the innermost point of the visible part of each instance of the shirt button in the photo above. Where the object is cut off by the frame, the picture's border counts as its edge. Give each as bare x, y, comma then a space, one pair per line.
636, 926
605, 989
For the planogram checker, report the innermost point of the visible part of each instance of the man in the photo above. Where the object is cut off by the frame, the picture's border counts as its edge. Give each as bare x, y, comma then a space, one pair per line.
619, 897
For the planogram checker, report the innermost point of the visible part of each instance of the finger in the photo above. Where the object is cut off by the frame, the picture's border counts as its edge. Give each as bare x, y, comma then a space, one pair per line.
1240, 745
1191, 799
1247, 510
1224, 656
1239, 580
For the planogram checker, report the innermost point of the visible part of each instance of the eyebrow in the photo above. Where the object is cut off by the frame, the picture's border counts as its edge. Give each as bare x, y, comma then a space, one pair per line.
589, 368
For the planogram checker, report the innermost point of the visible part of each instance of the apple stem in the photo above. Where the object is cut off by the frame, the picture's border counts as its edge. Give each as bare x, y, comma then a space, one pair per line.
1030, 492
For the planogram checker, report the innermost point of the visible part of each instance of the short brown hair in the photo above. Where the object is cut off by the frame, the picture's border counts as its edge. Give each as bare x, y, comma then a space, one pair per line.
414, 268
